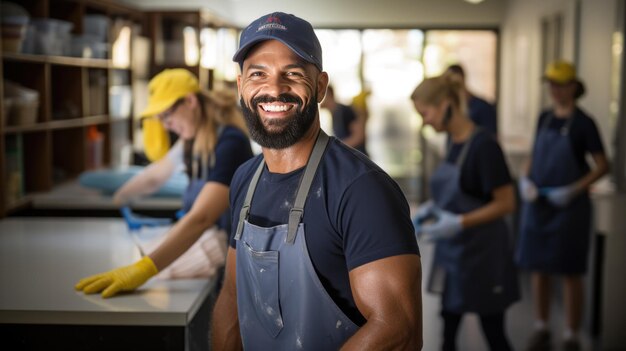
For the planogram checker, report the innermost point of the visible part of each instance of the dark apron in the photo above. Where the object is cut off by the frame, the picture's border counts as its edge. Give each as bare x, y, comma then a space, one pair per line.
282, 305
473, 270
197, 181
553, 239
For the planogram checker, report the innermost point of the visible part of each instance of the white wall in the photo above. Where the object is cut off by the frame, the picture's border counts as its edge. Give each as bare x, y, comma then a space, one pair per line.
520, 83
351, 13
598, 23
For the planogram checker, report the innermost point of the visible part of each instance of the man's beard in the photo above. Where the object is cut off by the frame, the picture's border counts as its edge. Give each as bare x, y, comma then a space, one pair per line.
285, 131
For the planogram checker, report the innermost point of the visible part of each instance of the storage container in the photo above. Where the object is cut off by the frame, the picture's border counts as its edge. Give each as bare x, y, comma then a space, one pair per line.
120, 101
25, 104
97, 25
7, 107
52, 36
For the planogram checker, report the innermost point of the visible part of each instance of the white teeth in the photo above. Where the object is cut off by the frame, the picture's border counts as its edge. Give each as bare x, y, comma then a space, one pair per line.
275, 108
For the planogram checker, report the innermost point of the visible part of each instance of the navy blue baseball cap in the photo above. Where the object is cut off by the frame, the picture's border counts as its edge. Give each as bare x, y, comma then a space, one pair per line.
290, 30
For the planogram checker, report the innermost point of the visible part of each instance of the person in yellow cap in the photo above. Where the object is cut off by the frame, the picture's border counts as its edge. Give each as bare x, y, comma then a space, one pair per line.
213, 142
555, 222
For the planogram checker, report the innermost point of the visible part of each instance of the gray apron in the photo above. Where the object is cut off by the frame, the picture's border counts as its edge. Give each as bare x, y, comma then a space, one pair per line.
552, 239
473, 270
282, 305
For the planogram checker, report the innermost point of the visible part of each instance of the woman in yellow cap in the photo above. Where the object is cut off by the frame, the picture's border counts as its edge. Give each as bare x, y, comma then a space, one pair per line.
556, 224
212, 143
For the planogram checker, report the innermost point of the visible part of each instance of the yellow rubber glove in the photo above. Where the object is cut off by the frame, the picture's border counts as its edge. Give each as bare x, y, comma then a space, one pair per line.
125, 278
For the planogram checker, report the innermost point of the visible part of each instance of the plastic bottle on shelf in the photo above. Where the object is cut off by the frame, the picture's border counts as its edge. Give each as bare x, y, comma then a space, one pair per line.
95, 141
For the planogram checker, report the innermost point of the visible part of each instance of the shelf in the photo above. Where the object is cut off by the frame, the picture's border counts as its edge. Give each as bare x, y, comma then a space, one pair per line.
19, 204
75, 98
59, 60
61, 124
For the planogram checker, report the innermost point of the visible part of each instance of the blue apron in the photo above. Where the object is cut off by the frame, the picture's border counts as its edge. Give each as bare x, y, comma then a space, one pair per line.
473, 270
281, 303
553, 239
198, 179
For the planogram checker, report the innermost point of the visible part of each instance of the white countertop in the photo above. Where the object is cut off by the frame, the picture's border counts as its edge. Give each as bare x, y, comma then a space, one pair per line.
42, 258
73, 195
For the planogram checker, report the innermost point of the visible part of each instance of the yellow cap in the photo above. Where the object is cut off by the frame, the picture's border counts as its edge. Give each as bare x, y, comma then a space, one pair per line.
167, 87
560, 72
360, 100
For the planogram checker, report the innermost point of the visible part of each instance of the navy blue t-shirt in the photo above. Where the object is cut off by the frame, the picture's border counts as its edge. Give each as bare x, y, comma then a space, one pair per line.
583, 134
354, 214
231, 151
483, 114
484, 169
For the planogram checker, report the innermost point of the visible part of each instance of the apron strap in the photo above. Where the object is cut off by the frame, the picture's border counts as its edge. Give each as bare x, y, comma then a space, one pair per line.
296, 213
461, 159
245, 209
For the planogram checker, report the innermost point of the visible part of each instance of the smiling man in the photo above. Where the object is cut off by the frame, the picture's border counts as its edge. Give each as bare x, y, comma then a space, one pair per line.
324, 256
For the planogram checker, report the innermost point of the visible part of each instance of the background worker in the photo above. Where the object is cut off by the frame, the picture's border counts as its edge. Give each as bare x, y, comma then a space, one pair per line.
481, 112
213, 142
472, 192
347, 125
556, 216
324, 256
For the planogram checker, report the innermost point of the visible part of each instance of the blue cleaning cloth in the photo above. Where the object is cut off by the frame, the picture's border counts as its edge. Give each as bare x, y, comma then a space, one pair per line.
135, 222
109, 180
180, 213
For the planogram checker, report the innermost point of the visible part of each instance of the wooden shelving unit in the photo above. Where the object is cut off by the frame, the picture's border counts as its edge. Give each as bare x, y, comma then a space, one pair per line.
166, 30
74, 95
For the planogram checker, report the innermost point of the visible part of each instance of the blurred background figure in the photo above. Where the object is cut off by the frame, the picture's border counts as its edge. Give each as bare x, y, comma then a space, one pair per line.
348, 126
359, 106
481, 112
213, 142
556, 217
472, 192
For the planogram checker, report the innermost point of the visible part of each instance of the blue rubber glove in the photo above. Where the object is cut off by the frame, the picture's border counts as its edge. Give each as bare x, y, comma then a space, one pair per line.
528, 190
561, 196
448, 225
424, 211
135, 222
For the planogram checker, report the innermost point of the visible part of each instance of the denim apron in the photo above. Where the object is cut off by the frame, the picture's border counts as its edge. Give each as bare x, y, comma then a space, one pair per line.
194, 188
553, 239
473, 270
282, 305
198, 178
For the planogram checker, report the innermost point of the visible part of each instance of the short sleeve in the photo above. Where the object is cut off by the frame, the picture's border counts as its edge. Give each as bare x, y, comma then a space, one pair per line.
375, 221
593, 141
485, 168
232, 150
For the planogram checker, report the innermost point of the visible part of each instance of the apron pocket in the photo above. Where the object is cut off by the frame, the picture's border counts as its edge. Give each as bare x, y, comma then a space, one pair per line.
263, 277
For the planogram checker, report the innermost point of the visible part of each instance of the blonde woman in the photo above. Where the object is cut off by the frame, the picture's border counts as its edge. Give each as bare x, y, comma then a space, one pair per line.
212, 143
472, 193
